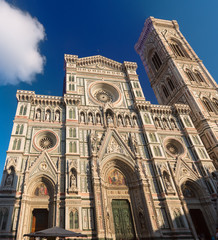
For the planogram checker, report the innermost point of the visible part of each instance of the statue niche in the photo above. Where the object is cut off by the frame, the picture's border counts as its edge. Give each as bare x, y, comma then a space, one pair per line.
73, 181
10, 177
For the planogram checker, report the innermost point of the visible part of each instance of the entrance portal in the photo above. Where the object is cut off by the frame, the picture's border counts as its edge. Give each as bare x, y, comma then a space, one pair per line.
39, 220
199, 223
123, 223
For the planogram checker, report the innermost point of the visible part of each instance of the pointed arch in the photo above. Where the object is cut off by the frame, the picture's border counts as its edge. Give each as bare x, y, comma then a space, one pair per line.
190, 75
21, 110
170, 83
74, 147
25, 110
165, 91
71, 147
207, 104
199, 76
70, 132
17, 129
18, 144
215, 102
14, 144
156, 61
70, 114
74, 219
21, 129
74, 132
177, 48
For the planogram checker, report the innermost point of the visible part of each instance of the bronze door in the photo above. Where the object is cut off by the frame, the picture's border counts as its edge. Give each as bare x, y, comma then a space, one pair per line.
39, 220
123, 223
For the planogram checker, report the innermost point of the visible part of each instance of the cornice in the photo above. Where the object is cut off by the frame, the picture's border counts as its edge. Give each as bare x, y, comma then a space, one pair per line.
72, 99
80, 63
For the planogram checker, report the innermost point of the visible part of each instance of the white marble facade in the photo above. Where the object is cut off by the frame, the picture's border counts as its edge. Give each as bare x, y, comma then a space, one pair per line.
77, 157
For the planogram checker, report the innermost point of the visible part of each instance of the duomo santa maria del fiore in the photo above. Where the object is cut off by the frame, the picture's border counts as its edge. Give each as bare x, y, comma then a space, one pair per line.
102, 161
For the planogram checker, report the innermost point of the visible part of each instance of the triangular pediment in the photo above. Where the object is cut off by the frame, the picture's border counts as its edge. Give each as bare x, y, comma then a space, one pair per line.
113, 143
184, 171
99, 62
43, 165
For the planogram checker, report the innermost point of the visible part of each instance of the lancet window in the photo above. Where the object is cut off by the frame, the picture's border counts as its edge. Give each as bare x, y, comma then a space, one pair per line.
23, 110
16, 144
190, 75
156, 61
177, 49
171, 85
198, 76
207, 105
165, 91
74, 219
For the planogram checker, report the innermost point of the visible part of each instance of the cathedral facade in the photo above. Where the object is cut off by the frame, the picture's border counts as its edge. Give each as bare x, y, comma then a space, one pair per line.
103, 161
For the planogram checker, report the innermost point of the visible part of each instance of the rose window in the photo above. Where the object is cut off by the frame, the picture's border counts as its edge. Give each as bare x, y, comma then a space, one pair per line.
101, 92
45, 140
46, 143
103, 96
172, 148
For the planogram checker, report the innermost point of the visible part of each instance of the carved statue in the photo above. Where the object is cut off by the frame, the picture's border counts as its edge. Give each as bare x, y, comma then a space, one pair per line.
135, 144
165, 124
47, 115
119, 121
98, 119
57, 116
90, 119
72, 181
38, 114
82, 117
109, 119
167, 182
93, 140
9, 178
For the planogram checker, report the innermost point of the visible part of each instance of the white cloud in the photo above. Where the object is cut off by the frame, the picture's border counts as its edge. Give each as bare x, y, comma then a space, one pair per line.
20, 34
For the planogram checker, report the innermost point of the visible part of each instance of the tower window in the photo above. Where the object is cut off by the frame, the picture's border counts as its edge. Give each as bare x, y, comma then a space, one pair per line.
215, 101
171, 85
199, 77
177, 49
156, 61
190, 75
207, 105
165, 91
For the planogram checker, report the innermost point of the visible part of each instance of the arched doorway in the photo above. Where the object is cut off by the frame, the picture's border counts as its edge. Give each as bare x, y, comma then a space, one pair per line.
196, 201
41, 204
123, 201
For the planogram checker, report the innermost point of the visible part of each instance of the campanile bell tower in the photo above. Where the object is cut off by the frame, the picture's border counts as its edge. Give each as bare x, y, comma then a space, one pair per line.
177, 75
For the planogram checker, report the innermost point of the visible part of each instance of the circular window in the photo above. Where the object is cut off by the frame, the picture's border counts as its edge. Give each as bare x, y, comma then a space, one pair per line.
45, 140
46, 143
102, 92
174, 147
103, 96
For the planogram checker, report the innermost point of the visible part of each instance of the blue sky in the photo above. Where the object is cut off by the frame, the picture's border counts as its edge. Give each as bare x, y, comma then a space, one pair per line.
106, 27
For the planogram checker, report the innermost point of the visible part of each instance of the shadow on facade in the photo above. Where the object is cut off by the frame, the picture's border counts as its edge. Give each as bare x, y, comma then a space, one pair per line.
185, 210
